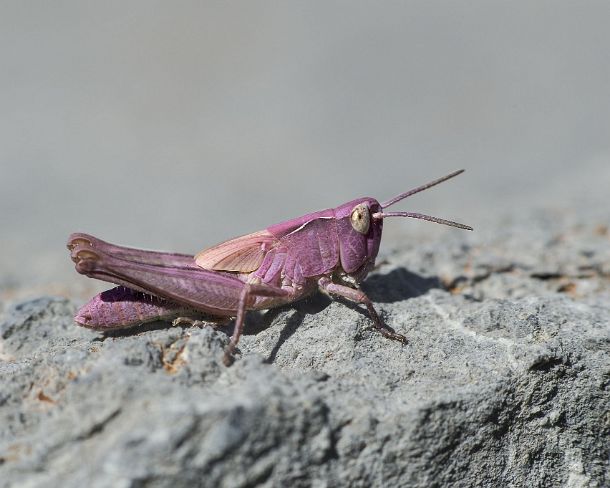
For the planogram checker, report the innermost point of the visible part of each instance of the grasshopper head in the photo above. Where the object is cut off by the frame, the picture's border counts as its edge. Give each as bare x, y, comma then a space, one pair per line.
359, 233
360, 223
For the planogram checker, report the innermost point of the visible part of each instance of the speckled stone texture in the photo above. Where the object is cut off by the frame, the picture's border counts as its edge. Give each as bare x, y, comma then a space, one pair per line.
505, 380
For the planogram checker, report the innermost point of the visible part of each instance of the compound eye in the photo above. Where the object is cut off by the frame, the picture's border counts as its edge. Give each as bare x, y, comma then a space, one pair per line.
361, 218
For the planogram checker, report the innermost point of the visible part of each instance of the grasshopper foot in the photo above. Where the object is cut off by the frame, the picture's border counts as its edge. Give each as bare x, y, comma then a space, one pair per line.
395, 336
212, 322
187, 321
228, 358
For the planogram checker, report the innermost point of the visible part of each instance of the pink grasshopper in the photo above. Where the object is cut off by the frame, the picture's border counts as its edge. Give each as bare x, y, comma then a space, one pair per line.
332, 250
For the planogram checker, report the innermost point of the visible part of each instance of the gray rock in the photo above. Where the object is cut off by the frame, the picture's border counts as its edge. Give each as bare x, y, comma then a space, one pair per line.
505, 381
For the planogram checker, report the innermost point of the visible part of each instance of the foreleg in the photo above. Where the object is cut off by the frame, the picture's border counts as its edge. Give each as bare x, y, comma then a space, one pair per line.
358, 296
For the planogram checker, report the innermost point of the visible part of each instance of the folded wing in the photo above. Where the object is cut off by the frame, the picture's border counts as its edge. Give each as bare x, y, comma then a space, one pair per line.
243, 254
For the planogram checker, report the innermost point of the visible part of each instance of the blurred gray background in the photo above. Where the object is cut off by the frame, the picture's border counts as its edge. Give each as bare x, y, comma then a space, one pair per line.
176, 125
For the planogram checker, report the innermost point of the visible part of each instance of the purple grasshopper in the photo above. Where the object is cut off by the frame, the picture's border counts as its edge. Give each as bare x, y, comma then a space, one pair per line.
332, 250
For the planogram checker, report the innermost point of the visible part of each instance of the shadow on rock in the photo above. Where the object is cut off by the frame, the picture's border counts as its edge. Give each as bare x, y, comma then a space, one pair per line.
397, 285
133, 330
310, 306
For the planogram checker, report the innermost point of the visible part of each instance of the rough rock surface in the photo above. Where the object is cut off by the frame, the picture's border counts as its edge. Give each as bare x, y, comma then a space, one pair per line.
505, 381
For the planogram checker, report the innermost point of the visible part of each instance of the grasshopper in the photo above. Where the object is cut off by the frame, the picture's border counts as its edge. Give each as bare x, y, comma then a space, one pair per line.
331, 250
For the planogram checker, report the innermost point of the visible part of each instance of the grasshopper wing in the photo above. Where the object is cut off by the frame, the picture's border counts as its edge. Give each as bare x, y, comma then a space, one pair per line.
243, 254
